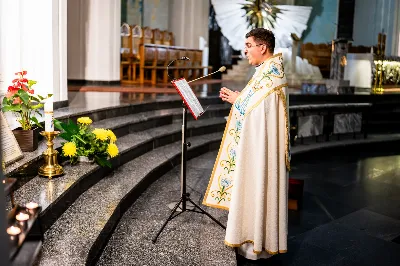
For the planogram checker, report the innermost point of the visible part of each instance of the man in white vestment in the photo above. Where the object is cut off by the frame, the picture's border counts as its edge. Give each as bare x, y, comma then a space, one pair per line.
250, 175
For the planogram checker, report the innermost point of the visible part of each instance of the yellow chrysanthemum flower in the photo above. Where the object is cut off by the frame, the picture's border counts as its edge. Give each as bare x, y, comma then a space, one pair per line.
85, 120
69, 149
111, 135
112, 150
100, 133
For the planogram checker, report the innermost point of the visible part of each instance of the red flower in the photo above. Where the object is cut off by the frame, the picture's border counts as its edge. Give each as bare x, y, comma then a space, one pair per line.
24, 87
17, 100
31, 91
9, 94
24, 72
11, 91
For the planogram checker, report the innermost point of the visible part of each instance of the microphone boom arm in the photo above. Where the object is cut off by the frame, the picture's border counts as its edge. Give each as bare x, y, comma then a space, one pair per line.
221, 69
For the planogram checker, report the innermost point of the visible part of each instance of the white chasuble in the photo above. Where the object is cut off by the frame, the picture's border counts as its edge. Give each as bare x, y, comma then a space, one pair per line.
250, 175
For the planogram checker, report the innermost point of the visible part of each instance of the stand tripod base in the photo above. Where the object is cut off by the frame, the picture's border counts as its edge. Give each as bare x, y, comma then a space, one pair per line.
185, 198
189, 206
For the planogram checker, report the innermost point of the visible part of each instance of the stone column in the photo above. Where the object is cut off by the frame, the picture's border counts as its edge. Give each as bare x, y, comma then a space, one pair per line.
94, 40
188, 20
33, 37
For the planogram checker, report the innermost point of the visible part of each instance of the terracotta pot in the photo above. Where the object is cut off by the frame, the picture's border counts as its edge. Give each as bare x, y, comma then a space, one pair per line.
27, 139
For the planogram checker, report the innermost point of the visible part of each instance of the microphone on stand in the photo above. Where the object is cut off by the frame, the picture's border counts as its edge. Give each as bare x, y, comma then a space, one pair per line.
221, 69
182, 58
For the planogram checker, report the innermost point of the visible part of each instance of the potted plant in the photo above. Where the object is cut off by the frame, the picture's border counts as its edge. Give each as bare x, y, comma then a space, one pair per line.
21, 100
85, 144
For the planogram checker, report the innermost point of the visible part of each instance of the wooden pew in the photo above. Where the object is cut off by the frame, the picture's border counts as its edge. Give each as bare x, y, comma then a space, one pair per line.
155, 59
146, 53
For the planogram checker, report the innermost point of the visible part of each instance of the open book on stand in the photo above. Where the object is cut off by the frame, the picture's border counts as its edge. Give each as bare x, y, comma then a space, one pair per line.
189, 98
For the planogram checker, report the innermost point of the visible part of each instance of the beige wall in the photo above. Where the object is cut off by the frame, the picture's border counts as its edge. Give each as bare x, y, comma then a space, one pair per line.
94, 32
36, 42
188, 20
156, 14
94, 39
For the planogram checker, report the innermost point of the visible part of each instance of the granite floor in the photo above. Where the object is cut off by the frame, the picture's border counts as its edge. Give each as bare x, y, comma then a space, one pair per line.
350, 216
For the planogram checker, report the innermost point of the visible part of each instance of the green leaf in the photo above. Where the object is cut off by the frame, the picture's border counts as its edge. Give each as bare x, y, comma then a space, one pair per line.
38, 106
58, 125
62, 126
24, 96
40, 97
34, 119
49, 95
13, 108
102, 161
5, 101
65, 136
34, 98
31, 83
72, 127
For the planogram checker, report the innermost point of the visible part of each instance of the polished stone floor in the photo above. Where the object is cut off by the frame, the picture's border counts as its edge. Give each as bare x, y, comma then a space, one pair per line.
350, 216
107, 96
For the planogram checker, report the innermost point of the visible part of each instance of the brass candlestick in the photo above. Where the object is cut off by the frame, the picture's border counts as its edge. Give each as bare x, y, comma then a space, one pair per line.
51, 167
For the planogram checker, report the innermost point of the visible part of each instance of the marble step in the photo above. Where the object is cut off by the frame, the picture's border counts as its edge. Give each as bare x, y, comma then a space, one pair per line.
189, 239
100, 113
81, 233
56, 195
121, 125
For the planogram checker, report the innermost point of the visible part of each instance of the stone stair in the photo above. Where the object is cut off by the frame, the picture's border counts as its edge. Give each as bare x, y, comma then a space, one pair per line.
83, 230
81, 209
239, 72
149, 141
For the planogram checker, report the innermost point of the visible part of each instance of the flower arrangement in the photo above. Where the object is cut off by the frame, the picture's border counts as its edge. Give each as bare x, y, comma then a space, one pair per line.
21, 100
97, 144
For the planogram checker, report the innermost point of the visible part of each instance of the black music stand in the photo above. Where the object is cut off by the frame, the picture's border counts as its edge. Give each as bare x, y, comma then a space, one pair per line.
190, 102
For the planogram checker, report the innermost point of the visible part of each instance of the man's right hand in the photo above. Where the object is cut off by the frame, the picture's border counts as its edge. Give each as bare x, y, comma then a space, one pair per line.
227, 95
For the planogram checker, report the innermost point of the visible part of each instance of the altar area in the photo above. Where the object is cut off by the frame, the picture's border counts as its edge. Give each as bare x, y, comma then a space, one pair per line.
91, 128
82, 208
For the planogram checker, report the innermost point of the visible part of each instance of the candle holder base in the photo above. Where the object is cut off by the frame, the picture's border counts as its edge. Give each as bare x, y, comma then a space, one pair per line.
51, 167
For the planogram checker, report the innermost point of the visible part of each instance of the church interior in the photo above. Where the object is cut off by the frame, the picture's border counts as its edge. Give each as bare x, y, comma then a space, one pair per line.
99, 145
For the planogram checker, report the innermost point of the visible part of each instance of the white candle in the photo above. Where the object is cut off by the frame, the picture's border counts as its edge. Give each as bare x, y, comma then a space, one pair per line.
13, 230
22, 217
32, 205
48, 115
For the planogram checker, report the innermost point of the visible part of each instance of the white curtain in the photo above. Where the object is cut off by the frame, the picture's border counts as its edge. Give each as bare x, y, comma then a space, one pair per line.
33, 38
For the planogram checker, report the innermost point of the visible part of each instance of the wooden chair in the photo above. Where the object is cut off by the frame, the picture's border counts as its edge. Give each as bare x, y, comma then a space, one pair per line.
126, 52
147, 35
167, 38
137, 34
157, 37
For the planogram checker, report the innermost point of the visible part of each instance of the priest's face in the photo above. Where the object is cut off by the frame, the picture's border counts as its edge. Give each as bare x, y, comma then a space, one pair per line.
254, 51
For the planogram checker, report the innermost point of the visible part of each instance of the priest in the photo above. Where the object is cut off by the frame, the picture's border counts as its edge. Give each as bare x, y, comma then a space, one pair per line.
250, 175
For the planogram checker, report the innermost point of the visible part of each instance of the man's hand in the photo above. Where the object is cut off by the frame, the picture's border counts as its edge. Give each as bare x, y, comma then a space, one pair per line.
227, 95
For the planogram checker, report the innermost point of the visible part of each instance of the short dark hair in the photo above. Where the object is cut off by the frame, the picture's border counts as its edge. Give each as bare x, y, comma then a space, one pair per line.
263, 36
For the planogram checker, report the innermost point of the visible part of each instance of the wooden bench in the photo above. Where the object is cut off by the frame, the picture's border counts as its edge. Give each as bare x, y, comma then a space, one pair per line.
146, 53
154, 60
